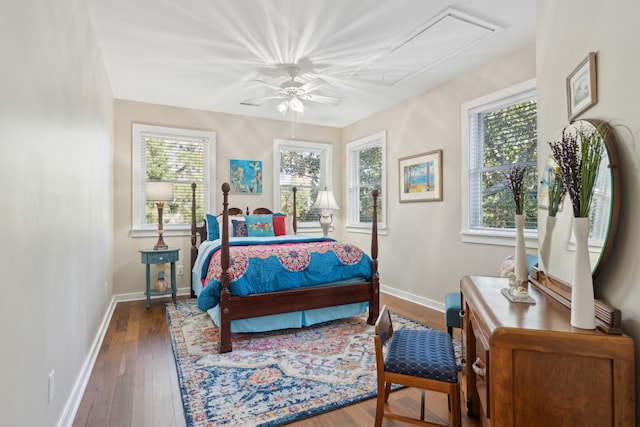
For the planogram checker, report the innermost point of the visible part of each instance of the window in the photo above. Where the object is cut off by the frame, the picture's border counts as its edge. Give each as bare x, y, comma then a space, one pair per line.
499, 132
306, 166
178, 156
366, 171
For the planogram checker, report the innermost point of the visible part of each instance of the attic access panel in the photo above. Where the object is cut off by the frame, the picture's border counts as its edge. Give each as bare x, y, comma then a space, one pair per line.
434, 42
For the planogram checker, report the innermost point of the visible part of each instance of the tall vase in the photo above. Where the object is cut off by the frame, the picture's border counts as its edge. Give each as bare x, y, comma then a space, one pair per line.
521, 271
582, 304
545, 249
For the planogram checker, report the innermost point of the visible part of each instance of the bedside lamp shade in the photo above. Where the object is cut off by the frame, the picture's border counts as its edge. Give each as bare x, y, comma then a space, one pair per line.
326, 202
159, 192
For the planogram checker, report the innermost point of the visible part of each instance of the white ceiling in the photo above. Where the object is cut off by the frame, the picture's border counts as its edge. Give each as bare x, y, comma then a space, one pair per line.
207, 54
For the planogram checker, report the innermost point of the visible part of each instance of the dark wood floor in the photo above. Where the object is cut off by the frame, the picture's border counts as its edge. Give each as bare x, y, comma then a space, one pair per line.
135, 383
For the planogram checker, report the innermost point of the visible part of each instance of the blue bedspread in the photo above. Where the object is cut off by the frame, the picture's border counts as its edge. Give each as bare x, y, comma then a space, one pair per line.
267, 264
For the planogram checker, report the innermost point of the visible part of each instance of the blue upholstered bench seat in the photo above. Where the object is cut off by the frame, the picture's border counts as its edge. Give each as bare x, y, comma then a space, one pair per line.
422, 353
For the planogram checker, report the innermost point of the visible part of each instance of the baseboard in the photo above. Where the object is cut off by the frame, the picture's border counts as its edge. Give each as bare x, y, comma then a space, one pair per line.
71, 408
435, 305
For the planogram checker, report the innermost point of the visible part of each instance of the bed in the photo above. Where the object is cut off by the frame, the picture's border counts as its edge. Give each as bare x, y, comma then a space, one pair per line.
299, 295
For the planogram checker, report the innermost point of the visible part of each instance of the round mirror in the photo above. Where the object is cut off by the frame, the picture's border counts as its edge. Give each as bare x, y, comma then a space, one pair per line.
555, 236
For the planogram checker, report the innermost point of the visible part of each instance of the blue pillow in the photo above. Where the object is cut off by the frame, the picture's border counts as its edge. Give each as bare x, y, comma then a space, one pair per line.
239, 228
213, 229
259, 226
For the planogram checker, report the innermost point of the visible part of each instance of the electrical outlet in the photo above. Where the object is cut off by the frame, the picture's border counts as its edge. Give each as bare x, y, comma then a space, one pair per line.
180, 270
52, 384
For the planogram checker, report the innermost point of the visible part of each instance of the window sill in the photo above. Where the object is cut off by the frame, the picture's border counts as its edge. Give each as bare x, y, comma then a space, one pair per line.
148, 232
366, 229
499, 238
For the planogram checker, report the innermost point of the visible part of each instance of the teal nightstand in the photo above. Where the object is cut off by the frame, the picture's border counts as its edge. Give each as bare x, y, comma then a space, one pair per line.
162, 256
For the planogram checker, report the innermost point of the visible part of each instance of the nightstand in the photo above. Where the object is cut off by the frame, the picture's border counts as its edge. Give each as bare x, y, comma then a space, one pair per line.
162, 256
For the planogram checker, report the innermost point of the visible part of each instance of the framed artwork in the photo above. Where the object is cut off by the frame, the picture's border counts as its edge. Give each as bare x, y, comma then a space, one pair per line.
245, 176
421, 177
582, 91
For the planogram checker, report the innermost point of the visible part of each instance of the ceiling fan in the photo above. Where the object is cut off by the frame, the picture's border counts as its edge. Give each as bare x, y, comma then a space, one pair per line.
293, 92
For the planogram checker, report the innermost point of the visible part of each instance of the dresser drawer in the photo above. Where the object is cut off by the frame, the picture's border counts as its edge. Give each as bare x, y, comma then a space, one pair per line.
480, 366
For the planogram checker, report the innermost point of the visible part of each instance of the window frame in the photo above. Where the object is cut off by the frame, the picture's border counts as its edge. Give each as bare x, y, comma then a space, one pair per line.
503, 237
353, 185
326, 172
138, 227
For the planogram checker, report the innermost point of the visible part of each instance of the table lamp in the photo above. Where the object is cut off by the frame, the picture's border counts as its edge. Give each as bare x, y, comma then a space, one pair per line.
326, 202
159, 192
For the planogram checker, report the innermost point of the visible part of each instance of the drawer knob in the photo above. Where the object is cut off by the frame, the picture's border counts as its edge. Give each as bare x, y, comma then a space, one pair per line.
462, 313
160, 258
481, 372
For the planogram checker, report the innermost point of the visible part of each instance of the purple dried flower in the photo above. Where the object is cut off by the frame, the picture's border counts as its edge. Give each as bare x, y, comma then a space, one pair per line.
515, 181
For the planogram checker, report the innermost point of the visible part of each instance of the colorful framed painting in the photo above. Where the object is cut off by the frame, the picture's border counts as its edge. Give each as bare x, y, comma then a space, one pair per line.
582, 91
245, 176
421, 177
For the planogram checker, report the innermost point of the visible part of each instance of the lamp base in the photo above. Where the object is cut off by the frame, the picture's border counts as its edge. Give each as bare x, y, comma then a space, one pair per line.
160, 245
325, 223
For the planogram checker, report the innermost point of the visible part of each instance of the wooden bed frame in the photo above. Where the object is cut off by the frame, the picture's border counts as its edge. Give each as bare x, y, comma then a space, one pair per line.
242, 307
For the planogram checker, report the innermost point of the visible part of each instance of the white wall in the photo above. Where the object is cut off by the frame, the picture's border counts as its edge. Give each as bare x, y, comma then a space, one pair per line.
56, 227
566, 32
423, 254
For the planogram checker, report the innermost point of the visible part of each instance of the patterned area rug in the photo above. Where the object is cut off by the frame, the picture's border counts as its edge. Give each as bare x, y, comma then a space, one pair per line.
272, 378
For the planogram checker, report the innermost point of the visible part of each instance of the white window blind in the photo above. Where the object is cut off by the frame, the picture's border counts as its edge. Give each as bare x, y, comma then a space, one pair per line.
306, 166
500, 132
180, 157
366, 171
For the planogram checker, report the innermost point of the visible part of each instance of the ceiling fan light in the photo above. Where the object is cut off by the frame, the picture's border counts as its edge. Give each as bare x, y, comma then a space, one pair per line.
297, 106
282, 107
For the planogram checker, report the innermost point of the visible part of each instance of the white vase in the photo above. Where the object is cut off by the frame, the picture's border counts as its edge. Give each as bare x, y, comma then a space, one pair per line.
545, 249
520, 268
582, 304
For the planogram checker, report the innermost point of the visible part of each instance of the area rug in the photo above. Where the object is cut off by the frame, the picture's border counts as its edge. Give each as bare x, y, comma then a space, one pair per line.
272, 378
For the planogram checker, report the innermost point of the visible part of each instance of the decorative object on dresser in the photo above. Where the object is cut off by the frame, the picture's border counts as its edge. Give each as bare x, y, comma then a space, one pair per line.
333, 287
326, 202
555, 191
527, 366
579, 153
159, 192
515, 182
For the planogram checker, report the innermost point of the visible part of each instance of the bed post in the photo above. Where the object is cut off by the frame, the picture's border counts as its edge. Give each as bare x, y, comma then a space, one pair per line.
224, 345
295, 222
374, 304
194, 248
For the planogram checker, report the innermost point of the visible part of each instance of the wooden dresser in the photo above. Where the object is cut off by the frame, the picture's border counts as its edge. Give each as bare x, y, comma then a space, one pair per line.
525, 365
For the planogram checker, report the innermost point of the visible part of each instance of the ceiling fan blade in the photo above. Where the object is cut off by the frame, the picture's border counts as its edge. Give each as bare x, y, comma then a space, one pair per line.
269, 85
262, 98
312, 85
322, 99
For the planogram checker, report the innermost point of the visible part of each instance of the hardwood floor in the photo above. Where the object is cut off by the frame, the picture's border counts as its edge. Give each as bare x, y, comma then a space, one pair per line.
135, 383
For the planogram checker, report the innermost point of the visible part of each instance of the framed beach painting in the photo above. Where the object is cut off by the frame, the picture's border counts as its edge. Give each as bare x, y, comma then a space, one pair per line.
582, 90
421, 177
245, 176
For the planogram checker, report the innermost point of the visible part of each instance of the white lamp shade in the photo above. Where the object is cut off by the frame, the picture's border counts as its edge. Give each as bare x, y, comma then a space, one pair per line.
326, 200
159, 191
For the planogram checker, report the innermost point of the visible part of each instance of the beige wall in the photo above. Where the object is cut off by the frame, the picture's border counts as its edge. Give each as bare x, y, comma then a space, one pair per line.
238, 137
567, 31
423, 254
56, 228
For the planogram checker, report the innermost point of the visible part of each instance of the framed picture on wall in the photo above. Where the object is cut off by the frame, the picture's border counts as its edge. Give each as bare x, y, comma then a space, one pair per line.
245, 176
421, 177
582, 90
